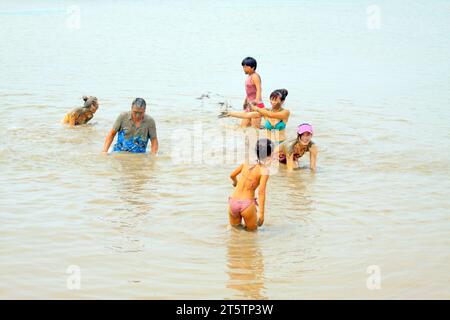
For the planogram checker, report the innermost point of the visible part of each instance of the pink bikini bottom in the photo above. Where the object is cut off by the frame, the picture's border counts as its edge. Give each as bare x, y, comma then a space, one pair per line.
237, 206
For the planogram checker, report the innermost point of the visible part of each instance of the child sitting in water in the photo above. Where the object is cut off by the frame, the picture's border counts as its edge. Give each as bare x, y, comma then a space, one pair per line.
82, 115
242, 204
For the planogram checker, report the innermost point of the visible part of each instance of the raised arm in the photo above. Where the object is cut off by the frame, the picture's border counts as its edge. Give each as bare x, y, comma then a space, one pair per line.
109, 140
262, 196
235, 173
313, 157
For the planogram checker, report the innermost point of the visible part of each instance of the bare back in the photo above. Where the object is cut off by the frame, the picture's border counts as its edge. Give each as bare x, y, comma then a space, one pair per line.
248, 182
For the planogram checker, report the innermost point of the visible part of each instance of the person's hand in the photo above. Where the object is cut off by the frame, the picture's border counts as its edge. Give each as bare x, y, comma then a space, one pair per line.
260, 221
224, 114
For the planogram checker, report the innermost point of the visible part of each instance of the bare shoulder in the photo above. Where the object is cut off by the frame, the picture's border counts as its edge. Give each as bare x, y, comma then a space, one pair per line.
264, 171
256, 76
75, 111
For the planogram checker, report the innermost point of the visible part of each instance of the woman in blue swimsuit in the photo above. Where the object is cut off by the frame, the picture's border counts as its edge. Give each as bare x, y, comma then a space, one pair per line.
275, 119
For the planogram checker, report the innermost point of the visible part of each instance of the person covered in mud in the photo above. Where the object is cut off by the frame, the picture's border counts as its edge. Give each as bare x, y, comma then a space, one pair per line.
291, 151
84, 114
242, 203
135, 128
253, 92
276, 118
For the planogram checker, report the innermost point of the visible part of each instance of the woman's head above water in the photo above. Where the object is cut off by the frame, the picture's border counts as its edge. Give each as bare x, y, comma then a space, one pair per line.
264, 148
90, 103
304, 133
277, 98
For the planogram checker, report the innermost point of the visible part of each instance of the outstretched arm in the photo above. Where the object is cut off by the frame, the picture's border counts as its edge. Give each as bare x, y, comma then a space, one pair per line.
235, 173
262, 197
109, 140
313, 157
269, 114
243, 114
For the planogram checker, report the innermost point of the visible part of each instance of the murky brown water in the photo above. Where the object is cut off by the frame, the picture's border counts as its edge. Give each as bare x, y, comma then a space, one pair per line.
146, 228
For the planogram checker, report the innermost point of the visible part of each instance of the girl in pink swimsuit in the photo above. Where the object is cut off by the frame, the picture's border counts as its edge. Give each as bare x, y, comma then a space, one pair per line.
252, 90
242, 203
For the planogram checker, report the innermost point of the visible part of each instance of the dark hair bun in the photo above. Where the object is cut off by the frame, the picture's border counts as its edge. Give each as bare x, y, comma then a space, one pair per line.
284, 93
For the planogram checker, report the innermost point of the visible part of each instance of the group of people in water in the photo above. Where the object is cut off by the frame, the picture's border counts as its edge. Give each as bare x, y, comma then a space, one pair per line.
135, 129
243, 203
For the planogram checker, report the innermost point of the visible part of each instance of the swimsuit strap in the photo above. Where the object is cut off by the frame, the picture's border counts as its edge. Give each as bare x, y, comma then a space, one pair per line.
271, 126
250, 169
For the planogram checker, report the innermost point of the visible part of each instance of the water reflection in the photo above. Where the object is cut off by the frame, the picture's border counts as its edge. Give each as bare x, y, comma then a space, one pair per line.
294, 192
245, 265
134, 173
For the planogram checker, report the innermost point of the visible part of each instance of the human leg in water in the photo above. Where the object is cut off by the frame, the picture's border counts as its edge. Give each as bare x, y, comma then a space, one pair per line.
250, 217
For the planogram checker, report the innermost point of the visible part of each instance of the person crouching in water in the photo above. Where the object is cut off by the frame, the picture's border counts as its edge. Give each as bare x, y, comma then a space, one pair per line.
290, 152
82, 115
242, 203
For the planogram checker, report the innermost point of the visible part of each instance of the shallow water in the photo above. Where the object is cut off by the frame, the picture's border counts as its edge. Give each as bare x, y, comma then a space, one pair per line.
145, 228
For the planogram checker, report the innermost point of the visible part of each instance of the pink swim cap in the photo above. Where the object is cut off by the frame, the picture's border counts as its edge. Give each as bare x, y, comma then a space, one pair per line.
304, 127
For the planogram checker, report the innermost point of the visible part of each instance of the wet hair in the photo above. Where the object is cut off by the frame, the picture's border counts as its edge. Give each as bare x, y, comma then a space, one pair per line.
139, 103
282, 93
89, 101
250, 62
264, 148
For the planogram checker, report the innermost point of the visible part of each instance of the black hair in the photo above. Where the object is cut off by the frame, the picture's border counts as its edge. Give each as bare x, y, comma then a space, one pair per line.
250, 62
264, 148
139, 102
282, 93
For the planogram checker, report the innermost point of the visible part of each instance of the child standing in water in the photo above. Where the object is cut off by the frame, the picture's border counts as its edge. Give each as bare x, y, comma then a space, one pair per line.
252, 90
242, 203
